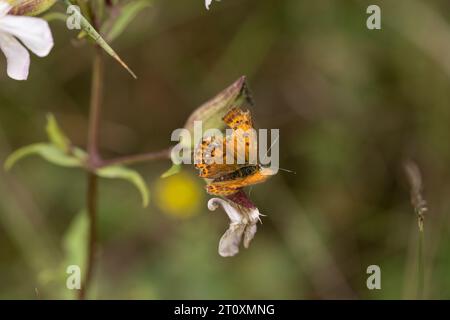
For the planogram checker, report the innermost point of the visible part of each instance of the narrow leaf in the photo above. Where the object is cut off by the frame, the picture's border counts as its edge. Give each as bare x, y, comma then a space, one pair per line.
74, 242
119, 172
55, 134
55, 16
174, 169
90, 30
127, 14
48, 151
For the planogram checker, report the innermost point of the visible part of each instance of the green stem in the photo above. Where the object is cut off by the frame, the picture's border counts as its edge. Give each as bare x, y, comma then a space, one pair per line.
93, 33
95, 108
420, 262
137, 158
94, 159
91, 196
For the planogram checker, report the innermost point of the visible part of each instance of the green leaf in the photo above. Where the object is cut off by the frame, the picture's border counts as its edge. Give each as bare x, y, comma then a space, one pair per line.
211, 112
82, 35
119, 172
79, 154
127, 14
74, 242
55, 134
174, 169
90, 30
55, 16
48, 151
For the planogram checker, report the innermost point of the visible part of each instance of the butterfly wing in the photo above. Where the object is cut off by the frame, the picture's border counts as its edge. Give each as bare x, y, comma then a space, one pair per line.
223, 189
243, 136
242, 143
229, 187
206, 154
213, 148
236, 118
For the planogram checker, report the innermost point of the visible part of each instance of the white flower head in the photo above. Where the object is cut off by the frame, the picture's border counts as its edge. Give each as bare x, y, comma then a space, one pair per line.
208, 3
243, 221
33, 33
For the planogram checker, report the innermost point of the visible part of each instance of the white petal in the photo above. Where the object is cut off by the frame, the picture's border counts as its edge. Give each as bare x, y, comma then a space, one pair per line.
254, 215
249, 234
34, 33
243, 223
207, 4
4, 8
17, 57
229, 243
234, 215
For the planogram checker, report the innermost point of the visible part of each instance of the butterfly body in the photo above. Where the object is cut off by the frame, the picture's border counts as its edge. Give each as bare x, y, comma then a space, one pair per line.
239, 173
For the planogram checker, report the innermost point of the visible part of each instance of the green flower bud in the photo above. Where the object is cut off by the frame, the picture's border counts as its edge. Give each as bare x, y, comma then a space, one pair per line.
30, 7
212, 111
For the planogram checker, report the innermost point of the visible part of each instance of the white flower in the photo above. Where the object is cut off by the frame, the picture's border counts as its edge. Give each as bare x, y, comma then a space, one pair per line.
243, 222
34, 33
208, 3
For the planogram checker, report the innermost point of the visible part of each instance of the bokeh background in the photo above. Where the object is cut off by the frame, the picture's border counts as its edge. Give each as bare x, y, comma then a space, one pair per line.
351, 104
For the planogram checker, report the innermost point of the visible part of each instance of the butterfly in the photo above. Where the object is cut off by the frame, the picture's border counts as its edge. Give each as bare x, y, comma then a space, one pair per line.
229, 163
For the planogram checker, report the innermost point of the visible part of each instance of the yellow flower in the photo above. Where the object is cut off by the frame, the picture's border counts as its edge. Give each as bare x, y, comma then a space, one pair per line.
179, 195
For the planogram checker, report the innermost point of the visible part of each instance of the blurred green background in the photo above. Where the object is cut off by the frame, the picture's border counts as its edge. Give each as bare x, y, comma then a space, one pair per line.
351, 105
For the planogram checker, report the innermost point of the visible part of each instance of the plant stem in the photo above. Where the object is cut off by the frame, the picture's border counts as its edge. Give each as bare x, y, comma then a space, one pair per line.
420, 261
137, 158
91, 195
95, 107
94, 159
420, 207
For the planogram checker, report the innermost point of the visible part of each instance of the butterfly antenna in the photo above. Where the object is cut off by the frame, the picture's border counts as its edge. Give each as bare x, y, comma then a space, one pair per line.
267, 152
291, 171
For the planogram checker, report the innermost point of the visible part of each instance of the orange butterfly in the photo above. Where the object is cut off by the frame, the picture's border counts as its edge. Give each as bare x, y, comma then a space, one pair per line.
229, 175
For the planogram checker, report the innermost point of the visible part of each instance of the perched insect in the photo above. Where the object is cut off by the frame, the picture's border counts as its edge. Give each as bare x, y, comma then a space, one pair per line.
237, 166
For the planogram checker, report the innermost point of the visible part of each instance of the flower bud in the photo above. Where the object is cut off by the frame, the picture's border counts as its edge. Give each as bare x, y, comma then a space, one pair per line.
212, 111
29, 7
